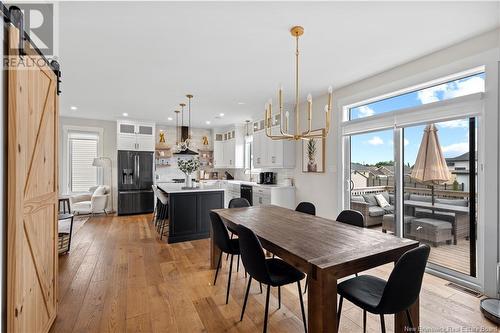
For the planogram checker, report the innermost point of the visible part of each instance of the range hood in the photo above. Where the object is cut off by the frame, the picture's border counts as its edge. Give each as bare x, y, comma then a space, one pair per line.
184, 137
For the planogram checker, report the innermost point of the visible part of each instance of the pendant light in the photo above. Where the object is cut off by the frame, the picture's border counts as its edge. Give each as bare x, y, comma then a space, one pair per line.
296, 32
190, 132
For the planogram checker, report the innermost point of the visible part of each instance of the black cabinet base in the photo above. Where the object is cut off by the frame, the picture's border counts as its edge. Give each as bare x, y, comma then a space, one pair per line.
189, 214
178, 239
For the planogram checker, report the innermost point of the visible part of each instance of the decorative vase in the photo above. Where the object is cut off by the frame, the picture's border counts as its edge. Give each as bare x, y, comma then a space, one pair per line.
189, 181
312, 166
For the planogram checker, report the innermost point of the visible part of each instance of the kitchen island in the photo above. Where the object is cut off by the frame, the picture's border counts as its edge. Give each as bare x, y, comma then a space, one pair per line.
189, 211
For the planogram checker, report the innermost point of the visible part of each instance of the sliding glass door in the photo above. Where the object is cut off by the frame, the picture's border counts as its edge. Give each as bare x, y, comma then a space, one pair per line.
410, 167
442, 212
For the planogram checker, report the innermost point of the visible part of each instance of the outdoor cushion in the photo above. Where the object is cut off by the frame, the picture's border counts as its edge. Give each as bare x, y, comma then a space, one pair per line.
357, 198
389, 209
386, 195
455, 202
370, 198
432, 223
382, 202
375, 211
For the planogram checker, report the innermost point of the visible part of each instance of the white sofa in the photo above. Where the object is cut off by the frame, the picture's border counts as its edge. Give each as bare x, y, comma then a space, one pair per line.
93, 202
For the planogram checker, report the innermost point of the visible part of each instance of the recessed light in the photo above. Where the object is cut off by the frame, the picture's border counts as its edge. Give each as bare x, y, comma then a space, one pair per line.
221, 114
241, 103
170, 118
207, 122
125, 114
74, 108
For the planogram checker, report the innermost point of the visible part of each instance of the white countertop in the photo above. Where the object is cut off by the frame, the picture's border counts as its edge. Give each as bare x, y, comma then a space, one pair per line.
245, 182
177, 188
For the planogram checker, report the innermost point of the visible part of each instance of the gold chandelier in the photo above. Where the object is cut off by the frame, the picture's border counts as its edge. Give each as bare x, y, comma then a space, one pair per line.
297, 31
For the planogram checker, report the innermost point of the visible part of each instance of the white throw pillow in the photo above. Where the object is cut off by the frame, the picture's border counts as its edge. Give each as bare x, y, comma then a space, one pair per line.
381, 200
100, 190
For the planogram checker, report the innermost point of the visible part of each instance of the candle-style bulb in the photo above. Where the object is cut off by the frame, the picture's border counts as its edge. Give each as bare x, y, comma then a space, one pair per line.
270, 102
287, 114
330, 89
326, 108
309, 98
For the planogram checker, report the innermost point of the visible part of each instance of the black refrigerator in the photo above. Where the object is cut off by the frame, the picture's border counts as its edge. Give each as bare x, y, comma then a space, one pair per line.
135, 178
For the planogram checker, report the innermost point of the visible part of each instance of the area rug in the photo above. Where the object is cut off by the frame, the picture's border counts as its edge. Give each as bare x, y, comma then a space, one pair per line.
78, 222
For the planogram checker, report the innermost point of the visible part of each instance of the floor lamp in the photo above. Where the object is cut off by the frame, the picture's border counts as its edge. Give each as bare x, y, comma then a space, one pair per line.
105, 162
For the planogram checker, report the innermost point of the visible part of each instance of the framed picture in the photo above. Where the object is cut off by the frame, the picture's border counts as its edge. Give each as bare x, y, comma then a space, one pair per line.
313, 154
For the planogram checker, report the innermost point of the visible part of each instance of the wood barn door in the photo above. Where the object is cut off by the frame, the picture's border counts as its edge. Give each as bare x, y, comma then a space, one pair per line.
32, 190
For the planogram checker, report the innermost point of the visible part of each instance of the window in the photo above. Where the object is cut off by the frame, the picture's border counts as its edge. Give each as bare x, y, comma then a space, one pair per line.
248, 154
82, 148
444, 91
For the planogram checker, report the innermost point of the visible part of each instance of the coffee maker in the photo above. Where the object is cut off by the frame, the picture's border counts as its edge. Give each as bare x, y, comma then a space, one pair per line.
268, 178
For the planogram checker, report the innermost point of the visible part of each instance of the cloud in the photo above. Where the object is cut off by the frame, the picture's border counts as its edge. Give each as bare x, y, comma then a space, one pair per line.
375, 141
365, 111
459, 123
456, 149
453, 89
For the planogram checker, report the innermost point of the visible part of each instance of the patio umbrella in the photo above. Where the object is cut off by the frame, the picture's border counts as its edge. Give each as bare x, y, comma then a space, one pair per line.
430, 167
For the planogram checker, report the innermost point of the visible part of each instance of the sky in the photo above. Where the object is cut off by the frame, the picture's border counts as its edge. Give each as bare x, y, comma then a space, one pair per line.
453, 135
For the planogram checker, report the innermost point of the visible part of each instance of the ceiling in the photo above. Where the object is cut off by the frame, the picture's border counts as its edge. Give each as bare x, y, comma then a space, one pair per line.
143, 58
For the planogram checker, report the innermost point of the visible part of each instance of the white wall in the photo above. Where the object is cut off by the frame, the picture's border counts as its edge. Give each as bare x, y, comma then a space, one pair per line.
168, 173
109, 146
481, 50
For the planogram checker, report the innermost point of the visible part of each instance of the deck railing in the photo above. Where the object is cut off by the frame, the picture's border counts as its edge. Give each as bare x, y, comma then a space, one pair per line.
438, 193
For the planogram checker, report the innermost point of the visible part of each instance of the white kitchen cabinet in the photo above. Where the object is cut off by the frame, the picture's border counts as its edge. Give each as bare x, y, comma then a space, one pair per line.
283, 196
138, 136
268, 153
218, 154
229, 146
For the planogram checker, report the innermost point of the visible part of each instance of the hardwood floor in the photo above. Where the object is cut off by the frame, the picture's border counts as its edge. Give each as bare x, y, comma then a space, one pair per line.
120, 278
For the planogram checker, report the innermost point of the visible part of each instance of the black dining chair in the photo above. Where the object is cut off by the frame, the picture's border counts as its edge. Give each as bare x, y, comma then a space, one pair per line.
306, 207
225, 245
395, 295
236, 203
352, 217
271, 272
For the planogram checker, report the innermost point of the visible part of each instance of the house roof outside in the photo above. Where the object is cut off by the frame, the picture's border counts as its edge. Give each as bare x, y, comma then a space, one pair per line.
460, 158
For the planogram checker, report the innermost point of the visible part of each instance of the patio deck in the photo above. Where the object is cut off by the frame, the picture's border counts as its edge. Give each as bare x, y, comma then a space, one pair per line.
455, 257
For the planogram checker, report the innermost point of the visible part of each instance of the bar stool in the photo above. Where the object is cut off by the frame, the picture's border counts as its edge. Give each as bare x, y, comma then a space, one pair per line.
162, 214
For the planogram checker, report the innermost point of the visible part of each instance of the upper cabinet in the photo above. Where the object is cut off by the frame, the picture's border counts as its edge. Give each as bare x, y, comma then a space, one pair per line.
268, 153
132, 135
229, 145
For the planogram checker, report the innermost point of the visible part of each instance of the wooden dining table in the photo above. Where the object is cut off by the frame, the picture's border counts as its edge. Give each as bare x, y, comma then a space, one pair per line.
324, 249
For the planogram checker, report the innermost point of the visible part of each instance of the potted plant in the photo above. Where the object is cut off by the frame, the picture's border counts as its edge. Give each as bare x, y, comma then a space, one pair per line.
311, 154
188, 167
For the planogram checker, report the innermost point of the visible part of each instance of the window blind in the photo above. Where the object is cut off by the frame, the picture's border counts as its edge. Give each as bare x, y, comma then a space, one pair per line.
83, 148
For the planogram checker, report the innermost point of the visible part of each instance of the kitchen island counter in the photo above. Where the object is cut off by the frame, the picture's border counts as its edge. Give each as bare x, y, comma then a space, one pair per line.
178, 188
188, 211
